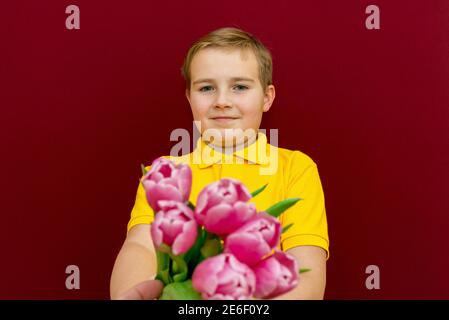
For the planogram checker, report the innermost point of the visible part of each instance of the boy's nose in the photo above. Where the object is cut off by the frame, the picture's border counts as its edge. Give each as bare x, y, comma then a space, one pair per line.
222, 106
222, 101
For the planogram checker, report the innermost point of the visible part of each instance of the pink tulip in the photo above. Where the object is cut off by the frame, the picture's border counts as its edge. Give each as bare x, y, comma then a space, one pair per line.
167, 181
222, 206
255, 239
223, 277
276, 275
175, 226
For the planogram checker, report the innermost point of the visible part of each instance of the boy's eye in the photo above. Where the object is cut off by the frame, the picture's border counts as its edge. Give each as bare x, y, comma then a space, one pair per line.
241, 87
206, 88
238, 87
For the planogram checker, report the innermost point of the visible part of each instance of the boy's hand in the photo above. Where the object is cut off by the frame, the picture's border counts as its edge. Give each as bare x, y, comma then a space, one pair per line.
146, 290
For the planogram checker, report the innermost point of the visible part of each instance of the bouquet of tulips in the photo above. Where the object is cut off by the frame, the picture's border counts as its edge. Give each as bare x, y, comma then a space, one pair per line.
222, 248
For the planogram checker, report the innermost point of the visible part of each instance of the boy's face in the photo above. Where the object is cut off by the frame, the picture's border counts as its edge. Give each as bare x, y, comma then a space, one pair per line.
226, 93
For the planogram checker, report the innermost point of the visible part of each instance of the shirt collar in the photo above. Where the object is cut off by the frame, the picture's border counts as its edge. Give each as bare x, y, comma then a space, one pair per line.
256, 153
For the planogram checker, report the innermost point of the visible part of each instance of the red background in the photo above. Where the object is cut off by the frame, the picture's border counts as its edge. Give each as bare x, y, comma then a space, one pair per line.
82, 109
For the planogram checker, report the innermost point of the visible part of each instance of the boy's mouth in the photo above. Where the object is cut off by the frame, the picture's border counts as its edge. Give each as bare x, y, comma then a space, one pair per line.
224, 119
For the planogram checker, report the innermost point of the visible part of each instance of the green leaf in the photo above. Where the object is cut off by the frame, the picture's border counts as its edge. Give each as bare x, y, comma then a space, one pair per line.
255, 193
191, 206
144, 170
180, 277
284, 229
281, 206
180, 291
211, 247
304, 270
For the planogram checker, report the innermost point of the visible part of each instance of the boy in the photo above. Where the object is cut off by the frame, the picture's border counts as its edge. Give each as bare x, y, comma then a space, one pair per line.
228, 85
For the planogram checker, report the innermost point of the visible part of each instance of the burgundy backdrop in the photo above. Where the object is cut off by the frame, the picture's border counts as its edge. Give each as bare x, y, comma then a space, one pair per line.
82, 109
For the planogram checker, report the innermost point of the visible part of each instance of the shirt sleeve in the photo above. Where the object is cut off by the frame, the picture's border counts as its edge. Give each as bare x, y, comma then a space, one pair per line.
141, 213
308, 215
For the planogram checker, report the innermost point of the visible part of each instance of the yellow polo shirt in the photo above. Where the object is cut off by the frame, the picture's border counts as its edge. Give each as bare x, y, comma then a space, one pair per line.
289, 174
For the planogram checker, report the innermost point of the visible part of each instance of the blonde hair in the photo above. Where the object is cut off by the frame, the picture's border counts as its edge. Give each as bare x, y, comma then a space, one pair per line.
232, 38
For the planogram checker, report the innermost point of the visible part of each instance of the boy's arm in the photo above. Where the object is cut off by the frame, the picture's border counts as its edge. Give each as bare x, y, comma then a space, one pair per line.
312, 283
135, 263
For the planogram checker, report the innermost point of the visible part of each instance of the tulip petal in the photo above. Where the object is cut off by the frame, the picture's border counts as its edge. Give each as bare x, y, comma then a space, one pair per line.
220, 220
267, 226
157, 192
200, 207
184, 178
267, 275
171, 229
216, 279
204, 277
245, 211
242, 192
166, 170
248, 247
170, 181
276, 275
156, 233
156, 177
185, 240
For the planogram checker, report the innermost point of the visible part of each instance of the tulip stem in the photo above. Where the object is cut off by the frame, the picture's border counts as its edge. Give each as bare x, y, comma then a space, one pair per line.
181, 267
193, 256
163, 267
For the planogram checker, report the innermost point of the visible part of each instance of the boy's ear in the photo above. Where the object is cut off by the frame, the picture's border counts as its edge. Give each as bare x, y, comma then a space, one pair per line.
268, 99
